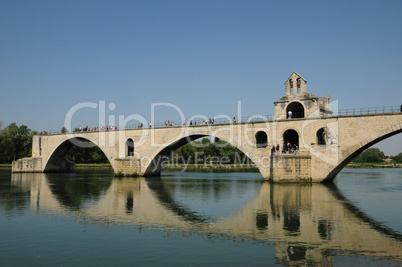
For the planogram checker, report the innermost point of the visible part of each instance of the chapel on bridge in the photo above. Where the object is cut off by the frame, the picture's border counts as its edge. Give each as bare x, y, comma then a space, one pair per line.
297, 103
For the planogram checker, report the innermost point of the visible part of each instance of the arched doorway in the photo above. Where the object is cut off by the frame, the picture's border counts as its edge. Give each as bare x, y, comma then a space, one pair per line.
292, 137
129, 147
296, 109
261, 139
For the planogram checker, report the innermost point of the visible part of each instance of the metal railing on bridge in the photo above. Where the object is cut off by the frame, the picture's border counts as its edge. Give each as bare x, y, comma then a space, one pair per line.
201, 121
367, 111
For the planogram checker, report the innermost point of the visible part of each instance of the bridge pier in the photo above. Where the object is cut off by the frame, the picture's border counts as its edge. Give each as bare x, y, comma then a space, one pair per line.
127, 167
290, 168
35, 165
27, 165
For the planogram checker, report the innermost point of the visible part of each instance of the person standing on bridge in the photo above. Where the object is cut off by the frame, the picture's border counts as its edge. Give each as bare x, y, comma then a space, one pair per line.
234, 119
273, 150
289, 114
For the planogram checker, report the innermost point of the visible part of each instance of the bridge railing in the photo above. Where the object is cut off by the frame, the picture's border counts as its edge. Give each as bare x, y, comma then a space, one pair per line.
367, 111
198, 121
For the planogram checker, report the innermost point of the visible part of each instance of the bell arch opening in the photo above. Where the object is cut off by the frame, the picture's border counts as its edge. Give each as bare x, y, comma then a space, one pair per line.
298, 85
261, 139
291, 86
295, 110
290, 139
72, 151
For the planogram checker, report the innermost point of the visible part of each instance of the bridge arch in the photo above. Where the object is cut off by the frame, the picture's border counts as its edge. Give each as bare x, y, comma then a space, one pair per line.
153, 165
57, 160
351, 152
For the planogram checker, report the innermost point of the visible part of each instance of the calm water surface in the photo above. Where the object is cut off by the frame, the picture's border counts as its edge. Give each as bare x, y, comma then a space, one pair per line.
197, 219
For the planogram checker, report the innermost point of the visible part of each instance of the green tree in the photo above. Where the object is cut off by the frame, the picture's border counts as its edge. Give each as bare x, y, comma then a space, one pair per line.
63, 130
92, 154
15, 142
207, 150
371, 155
398, 158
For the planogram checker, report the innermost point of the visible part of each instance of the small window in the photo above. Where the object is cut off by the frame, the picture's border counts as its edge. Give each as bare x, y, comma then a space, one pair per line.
321, 136
130, 147
261, 139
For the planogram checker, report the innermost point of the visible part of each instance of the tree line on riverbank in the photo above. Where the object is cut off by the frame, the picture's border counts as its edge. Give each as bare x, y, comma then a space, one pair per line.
209, 151
16, 143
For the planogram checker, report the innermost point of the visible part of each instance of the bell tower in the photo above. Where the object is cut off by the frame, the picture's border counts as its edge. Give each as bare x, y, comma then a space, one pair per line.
295, 85
297, 103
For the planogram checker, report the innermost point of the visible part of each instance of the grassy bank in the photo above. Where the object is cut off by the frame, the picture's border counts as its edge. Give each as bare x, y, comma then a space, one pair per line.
5, 165
93, 165
368, 165
221, 167
211, 167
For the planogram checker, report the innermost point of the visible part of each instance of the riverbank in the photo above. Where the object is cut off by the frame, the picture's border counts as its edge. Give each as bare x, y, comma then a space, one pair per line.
221, 167
5, 165
93, 165
212, 167
367, 165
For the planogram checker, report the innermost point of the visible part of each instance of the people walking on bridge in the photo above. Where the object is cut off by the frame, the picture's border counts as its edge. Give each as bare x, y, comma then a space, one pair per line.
289, 147
234, 119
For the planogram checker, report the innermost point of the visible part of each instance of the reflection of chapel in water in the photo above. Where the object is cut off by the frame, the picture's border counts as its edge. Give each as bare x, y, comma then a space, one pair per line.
298, 104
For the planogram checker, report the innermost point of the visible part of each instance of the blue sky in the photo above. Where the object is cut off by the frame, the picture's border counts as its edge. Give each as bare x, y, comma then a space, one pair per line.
203, 56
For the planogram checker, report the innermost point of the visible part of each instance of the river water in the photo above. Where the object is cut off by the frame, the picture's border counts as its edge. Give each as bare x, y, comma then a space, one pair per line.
90, 218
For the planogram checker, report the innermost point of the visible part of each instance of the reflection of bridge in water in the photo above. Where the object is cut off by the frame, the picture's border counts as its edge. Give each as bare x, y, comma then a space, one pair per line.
308, 223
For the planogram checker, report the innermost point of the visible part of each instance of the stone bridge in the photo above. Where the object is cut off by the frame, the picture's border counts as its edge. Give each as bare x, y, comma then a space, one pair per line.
325, 143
